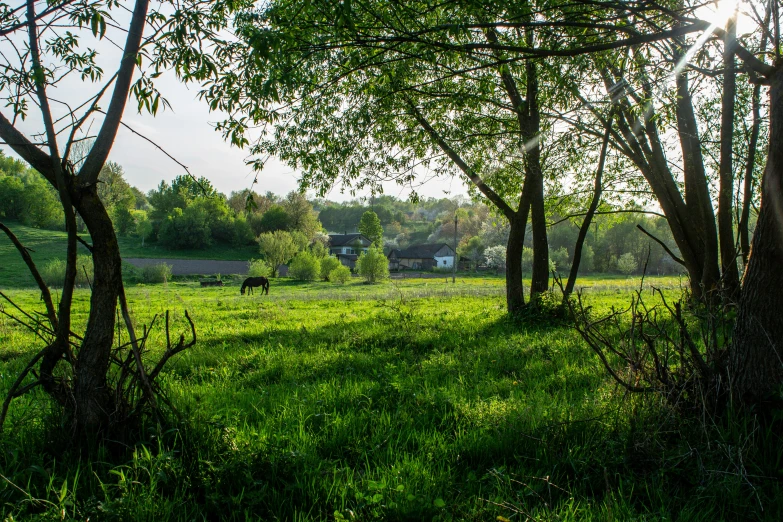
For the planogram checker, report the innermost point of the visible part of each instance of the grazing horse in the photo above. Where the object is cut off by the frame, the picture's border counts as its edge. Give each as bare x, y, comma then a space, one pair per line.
252, 282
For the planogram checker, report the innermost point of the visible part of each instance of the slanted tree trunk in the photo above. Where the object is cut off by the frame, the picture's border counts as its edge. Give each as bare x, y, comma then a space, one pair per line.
697, 225
750, 163
756, 364
585, 228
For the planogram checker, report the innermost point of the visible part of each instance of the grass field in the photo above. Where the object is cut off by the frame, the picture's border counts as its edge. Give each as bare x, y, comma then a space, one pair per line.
416, 400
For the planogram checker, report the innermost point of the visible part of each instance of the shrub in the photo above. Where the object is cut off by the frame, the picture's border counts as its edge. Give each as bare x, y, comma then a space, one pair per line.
328, 264
277, 248
373, 265
258, 268
496, 256
558, 259
305, 267
626, 263
159, 273
186, 229
53, 272
340, 274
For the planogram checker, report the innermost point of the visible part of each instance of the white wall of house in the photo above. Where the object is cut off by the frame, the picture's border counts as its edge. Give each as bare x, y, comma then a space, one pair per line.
445, 261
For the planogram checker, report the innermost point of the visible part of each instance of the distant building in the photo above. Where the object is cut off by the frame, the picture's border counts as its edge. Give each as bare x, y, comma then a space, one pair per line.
422, 257
347, 247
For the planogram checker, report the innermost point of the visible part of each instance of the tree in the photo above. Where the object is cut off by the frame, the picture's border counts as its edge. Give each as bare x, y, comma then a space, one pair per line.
496, 256
370, 227
278, 248
301, 216
373, 265
305, 267
44, 44
443, 110
626, 264
328, 264
276, 218
473, 249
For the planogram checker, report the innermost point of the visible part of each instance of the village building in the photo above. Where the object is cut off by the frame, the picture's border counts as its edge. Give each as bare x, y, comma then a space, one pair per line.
422, 257
347, 247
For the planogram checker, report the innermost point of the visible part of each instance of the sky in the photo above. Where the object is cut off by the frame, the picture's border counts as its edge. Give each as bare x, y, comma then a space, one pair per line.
186, 132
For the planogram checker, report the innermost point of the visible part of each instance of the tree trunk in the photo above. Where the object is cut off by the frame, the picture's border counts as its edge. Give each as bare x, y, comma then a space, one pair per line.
585, 228
756, 364
534, 176
728, 251
750, 163
93, 399
698, 204
515, 296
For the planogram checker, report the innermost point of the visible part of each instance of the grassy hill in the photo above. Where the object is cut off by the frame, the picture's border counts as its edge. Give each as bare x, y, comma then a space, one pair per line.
45, 245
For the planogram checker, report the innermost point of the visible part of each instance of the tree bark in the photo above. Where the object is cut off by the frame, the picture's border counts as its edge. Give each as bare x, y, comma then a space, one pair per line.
93, 399
728, 251
534, 176
515, 296
756, 363
699, 218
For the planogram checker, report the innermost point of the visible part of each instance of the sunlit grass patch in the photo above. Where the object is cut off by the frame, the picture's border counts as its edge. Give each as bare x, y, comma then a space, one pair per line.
410, 400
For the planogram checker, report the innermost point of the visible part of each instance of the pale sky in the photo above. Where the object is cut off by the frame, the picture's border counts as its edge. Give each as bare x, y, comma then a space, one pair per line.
187, 133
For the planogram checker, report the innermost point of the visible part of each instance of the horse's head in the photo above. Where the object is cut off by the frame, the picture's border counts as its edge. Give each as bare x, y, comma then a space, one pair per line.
242, 290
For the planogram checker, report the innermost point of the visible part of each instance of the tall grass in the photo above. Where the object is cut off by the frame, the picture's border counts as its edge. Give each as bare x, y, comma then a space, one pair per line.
414, 400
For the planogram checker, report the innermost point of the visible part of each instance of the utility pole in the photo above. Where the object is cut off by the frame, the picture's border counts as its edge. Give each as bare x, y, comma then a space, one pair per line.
454, 263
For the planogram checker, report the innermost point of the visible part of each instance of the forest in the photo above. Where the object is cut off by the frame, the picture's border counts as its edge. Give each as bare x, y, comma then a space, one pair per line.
189, 214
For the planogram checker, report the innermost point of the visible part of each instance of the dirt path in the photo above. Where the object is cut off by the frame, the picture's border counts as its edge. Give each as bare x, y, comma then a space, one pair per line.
193, 266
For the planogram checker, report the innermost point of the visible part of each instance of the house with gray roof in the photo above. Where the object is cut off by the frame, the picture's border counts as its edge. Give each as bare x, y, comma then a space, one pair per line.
347, 247
422, 257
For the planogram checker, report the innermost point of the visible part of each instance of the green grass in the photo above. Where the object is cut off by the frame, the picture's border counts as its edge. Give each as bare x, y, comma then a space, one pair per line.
411, 400
131, 247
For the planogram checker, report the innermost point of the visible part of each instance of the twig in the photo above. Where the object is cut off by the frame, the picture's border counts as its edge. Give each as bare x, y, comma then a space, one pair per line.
667, 249
135, 348
45, 294
180, 346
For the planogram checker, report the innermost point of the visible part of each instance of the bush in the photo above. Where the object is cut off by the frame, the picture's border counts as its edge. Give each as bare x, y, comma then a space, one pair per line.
186, 229
559, 260
305, 267
627, 263
160, 273
53, 272
258, 268
496, 256
340, 274
373, 265
328, 264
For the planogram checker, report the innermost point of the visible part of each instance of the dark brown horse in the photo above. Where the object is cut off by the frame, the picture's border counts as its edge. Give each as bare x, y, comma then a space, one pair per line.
252, 282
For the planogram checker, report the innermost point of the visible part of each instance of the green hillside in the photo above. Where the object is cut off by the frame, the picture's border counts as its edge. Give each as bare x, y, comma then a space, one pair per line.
45, 245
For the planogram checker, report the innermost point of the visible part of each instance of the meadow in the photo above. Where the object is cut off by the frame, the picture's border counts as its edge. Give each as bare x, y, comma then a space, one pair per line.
409, 400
